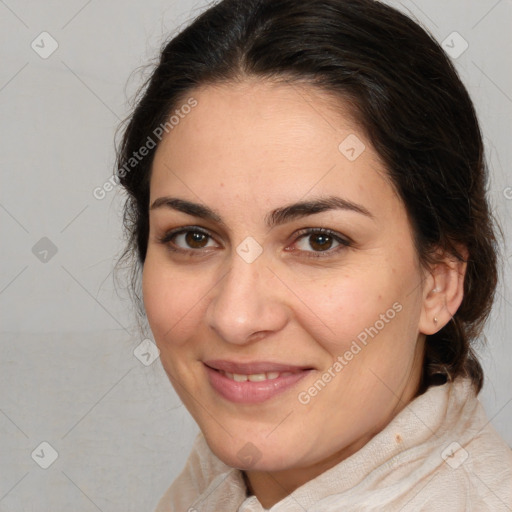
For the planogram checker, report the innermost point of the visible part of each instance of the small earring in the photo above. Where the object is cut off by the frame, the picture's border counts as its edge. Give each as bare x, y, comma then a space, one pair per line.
435, 320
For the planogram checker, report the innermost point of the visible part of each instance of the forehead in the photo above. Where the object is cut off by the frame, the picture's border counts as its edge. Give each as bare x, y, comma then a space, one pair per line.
276, 139
273, 112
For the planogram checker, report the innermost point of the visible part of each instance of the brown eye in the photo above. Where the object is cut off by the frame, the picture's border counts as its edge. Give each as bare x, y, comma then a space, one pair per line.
314, 242
320, 242
188, 240
317, 242
195, 239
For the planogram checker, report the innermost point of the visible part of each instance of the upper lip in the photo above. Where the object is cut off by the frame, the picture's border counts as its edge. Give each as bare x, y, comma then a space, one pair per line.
253, 367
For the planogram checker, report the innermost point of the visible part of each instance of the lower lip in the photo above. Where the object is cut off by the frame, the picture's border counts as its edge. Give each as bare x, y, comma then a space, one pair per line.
251, 392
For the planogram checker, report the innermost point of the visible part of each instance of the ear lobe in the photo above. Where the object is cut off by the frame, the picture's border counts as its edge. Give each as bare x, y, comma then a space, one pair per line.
443, 293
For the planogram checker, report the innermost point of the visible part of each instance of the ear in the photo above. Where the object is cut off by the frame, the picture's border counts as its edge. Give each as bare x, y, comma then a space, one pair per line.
443, 291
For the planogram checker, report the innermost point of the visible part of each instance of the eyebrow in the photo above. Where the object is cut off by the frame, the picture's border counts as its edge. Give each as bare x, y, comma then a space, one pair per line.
274, 218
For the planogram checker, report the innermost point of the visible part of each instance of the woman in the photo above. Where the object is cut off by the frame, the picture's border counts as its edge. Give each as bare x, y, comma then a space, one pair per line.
307, 205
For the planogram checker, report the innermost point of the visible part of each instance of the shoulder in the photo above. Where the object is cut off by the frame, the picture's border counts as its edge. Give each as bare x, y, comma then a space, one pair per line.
204, 477
476, 469
472, 481
458, 461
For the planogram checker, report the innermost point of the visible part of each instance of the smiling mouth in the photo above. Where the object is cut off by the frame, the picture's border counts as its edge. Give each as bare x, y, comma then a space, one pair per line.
253, 382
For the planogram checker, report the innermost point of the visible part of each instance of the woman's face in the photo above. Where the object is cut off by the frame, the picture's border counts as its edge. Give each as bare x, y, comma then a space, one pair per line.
240, 280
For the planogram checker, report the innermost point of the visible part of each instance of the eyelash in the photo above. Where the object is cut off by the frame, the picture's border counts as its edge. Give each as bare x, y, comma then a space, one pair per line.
344, 243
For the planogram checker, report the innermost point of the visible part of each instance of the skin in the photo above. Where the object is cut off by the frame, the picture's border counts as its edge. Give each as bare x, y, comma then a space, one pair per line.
248, 148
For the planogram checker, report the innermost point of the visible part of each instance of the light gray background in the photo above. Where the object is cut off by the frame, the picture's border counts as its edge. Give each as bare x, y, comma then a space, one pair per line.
68, 374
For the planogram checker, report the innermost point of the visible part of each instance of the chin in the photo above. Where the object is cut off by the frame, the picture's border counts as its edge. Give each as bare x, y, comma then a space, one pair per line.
255, 455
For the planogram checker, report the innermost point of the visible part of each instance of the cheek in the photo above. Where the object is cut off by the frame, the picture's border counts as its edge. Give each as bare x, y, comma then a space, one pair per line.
172, 303
366, 306
341, 307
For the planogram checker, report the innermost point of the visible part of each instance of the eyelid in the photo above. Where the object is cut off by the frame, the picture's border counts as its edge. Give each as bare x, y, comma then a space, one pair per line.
184, 229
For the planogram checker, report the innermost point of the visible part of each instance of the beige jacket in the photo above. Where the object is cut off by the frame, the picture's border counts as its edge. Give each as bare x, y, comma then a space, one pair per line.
440, 453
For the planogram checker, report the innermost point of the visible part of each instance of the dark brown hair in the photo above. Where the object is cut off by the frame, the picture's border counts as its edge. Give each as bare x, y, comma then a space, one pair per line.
403, 90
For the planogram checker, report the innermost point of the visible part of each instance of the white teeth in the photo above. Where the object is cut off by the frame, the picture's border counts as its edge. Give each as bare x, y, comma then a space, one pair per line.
255, 377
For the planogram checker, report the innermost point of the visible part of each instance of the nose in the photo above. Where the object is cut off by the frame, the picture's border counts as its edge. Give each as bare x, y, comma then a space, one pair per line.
248, 303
